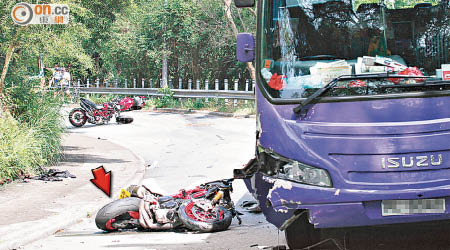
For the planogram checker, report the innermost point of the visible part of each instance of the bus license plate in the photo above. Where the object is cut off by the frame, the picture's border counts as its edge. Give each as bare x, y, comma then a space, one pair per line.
407, 207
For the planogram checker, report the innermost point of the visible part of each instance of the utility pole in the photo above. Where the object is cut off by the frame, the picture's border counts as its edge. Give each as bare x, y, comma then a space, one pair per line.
164, 62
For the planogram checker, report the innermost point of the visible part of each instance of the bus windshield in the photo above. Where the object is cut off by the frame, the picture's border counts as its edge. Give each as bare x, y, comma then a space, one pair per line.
308, 43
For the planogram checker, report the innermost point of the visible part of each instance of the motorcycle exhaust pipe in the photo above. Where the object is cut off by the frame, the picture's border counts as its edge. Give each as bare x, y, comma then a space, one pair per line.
146, 220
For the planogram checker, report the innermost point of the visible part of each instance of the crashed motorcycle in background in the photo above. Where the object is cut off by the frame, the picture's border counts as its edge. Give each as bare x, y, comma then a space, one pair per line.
205, 208
131, 103
96, 114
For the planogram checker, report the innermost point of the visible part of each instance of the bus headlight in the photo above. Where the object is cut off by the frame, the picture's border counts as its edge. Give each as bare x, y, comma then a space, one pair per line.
302, 173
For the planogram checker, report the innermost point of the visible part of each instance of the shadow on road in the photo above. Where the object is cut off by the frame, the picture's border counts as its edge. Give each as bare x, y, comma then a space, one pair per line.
70, 156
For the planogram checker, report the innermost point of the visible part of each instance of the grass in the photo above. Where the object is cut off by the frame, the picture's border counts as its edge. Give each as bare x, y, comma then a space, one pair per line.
18, 149
30, 133
167, 100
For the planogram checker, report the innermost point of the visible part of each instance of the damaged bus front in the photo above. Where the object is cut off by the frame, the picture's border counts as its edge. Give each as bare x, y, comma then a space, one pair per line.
353, 117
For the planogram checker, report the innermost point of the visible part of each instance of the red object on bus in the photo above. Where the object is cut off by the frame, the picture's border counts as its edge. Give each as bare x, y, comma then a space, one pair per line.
277, 82
411, 71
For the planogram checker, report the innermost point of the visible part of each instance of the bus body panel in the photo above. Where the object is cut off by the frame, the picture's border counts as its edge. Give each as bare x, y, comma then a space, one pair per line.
391, 149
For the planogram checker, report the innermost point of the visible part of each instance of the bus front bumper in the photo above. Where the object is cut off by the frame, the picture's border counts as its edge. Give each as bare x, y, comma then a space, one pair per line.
333, 207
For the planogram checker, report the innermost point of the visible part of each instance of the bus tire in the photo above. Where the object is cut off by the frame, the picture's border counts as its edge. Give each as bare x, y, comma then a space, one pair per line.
301, 234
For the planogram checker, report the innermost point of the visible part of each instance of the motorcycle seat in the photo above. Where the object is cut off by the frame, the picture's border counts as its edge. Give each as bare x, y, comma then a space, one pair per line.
91, 104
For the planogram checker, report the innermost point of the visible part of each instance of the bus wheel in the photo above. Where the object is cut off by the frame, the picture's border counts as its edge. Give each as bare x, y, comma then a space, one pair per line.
301, 234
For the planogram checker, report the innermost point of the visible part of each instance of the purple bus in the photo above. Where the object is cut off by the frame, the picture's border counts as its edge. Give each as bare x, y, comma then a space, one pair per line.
353, 113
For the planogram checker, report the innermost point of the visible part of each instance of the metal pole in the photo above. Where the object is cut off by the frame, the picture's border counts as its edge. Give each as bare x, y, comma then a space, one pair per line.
236, 82
206, 88
246, 89
197, 87
226, 89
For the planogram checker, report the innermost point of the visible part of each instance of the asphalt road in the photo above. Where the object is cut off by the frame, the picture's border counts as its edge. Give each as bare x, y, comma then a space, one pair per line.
185, 150
180, 151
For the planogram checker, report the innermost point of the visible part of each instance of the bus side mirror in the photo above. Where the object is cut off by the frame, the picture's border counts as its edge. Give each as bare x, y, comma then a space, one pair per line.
244, 3
245, 47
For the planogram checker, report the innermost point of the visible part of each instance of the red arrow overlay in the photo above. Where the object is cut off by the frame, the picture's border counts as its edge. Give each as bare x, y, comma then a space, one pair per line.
102, 180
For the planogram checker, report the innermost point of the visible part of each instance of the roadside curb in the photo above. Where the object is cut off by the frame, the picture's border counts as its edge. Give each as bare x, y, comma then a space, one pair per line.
23, 233
193, 111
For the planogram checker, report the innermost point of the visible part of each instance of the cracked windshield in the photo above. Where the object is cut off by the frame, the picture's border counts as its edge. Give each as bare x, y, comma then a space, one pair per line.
307, 44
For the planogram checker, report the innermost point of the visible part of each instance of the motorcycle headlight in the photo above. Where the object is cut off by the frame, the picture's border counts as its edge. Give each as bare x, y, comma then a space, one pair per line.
302, 173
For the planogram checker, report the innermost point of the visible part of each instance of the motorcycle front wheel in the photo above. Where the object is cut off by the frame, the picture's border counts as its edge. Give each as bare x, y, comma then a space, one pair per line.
197, 219
77, 117
119, 214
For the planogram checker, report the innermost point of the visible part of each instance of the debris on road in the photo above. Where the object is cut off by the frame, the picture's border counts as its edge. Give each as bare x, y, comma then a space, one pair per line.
53, 175
251, 206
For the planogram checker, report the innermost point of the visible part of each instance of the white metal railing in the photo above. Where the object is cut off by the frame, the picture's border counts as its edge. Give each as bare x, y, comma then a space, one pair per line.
238, 89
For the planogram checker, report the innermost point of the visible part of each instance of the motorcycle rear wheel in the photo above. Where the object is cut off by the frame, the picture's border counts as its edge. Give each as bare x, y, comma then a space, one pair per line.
197, 219
77, 117
124, 119
119, 214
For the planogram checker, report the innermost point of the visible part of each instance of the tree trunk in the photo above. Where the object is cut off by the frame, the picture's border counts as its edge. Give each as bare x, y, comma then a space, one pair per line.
227, 8
12, 46
14, 43
252, 70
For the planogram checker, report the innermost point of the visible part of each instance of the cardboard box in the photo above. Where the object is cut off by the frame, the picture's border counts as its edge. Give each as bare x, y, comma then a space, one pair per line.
445, 72
327, 72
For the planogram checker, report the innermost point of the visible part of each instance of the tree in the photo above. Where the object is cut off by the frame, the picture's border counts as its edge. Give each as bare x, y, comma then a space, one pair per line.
227, 8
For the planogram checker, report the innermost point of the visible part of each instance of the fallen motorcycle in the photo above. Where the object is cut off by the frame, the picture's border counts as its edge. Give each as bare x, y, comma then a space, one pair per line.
206, 208
96, 114
129, 104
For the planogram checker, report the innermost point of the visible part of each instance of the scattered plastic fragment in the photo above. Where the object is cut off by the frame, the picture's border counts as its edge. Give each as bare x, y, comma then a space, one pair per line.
251, 206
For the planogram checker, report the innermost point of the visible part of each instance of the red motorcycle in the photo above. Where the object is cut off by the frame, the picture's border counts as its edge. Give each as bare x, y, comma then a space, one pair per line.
96, 114
206, 208
135, 103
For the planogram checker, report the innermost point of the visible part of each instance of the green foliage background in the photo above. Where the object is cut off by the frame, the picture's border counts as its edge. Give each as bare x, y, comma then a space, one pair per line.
127, 39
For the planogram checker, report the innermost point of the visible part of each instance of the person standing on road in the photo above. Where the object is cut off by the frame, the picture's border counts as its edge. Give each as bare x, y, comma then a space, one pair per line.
65, 83
56, 78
